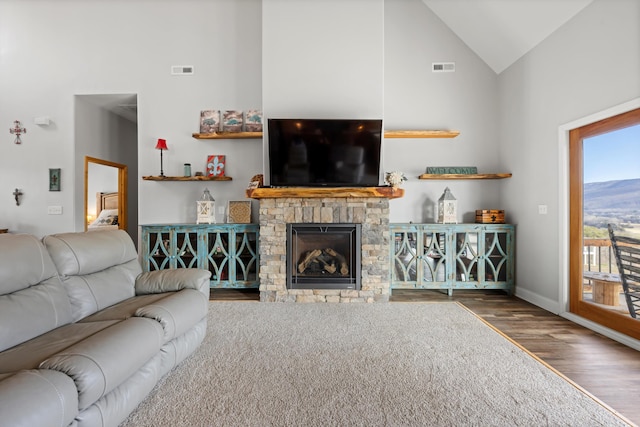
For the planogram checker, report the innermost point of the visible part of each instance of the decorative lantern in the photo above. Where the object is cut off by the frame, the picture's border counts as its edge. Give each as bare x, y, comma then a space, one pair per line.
206, 209
447, 208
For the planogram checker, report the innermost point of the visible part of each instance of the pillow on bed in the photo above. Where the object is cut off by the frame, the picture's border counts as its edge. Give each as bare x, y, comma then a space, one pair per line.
106, 217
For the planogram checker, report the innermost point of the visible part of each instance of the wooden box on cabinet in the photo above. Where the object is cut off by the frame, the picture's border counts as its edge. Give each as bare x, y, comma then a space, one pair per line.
229, 251
490, 216
452, 256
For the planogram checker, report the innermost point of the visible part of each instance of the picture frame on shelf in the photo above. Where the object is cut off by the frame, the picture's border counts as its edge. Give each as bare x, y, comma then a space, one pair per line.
239, 211
209, 121
216, 164
257, 181
253, 121
232, 121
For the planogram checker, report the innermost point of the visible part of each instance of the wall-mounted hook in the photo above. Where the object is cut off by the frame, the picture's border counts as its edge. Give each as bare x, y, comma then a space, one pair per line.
17, 194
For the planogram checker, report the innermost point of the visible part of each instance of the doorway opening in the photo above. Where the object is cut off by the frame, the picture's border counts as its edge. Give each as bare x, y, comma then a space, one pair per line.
106, 131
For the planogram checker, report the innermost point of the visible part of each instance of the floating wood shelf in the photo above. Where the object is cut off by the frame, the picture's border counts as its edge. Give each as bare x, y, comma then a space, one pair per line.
387, 134
322, 192
187, 178
421, 133
228, 135
465, 176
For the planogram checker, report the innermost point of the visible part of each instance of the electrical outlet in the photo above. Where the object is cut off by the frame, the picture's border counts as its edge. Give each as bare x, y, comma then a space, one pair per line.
542, 209
54, 210
221, 209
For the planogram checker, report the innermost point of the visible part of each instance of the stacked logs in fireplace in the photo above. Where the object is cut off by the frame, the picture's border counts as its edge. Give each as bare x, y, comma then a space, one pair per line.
325, 260
323, 256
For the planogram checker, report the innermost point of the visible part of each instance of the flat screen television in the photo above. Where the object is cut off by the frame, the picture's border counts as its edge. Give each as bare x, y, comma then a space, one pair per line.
324, 152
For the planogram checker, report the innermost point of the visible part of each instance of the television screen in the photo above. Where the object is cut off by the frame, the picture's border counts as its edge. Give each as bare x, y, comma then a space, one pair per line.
324, 152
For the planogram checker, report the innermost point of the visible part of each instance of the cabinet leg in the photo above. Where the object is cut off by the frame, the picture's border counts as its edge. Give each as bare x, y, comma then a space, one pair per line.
450, 292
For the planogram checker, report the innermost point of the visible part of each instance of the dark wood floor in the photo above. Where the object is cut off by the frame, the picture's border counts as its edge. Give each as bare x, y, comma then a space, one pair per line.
605, 368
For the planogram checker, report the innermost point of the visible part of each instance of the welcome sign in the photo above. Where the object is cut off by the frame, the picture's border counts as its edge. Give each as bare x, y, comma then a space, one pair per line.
462, 170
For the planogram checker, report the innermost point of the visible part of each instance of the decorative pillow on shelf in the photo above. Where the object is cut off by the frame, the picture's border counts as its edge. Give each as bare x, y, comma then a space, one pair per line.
106, 217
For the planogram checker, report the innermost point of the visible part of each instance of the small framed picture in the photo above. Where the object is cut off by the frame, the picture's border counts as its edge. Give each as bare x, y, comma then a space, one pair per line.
239, 212
253, 121
232, 121
209, 121
215, 165
54, 179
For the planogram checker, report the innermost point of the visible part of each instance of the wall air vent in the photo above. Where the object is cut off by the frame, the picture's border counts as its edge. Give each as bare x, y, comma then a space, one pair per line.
181, 70
443, 67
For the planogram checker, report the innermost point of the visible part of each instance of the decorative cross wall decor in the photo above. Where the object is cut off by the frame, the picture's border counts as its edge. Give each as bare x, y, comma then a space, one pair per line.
17, 130
17, 194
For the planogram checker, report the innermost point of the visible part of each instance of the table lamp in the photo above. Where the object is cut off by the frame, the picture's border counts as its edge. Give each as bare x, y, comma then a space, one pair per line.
161, 145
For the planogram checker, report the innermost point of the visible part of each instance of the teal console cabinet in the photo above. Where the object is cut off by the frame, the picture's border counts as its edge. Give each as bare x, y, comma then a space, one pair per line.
452, 256
229, 251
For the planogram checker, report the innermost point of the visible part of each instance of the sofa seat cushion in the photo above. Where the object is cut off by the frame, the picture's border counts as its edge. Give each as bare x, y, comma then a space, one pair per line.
103, 361
38, 397
30, 354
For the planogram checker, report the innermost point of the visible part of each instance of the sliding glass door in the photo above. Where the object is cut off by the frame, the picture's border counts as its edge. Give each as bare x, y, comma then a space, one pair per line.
604, 189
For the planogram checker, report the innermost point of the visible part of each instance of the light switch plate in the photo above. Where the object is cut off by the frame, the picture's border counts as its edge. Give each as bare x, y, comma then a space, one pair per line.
54, 210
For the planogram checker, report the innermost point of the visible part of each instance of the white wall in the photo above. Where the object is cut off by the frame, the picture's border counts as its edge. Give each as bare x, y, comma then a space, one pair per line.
322, 60
416, 98
51, 51
590, 64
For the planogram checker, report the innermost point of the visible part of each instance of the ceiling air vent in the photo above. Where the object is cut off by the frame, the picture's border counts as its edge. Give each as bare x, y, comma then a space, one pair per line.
443, 67
181, 70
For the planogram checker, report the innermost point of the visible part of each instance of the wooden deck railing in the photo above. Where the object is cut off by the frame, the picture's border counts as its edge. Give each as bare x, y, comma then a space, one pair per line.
600, 252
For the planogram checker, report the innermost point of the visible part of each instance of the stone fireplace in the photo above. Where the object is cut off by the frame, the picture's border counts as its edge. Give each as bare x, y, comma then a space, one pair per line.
369, 209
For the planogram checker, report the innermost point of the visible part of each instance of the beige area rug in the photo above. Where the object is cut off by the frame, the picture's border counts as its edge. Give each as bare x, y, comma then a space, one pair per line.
396, 364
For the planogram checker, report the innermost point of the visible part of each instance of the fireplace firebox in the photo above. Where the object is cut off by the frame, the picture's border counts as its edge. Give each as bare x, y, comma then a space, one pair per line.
324, 256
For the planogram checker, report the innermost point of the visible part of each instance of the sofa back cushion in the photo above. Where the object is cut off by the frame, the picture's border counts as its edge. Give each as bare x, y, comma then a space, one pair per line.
32, 298
98, 268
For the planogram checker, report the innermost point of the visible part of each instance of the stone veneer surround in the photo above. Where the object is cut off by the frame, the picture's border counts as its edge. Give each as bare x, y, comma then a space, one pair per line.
372, 213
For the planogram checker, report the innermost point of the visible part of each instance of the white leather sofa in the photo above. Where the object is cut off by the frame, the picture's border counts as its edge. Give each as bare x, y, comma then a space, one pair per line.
84, 334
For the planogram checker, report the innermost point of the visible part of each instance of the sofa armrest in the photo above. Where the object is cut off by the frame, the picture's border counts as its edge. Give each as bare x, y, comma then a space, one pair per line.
38, 397
102, 362
154, 282
177, 313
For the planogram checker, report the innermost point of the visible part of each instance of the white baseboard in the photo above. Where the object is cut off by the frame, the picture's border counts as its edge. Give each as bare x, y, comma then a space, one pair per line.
540, 301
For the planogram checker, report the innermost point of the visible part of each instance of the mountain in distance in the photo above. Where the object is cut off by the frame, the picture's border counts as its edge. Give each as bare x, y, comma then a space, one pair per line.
622, 196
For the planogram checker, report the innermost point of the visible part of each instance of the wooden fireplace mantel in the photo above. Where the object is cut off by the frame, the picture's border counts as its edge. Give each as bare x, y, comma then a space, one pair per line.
323, 192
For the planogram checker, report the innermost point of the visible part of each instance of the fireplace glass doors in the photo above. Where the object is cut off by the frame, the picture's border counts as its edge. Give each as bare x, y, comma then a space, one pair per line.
323, 256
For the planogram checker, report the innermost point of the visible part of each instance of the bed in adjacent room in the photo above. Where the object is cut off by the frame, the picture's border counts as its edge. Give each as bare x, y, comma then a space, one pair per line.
107, 208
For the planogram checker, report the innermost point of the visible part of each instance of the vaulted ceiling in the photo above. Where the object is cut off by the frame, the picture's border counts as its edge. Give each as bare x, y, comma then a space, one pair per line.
502, 31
